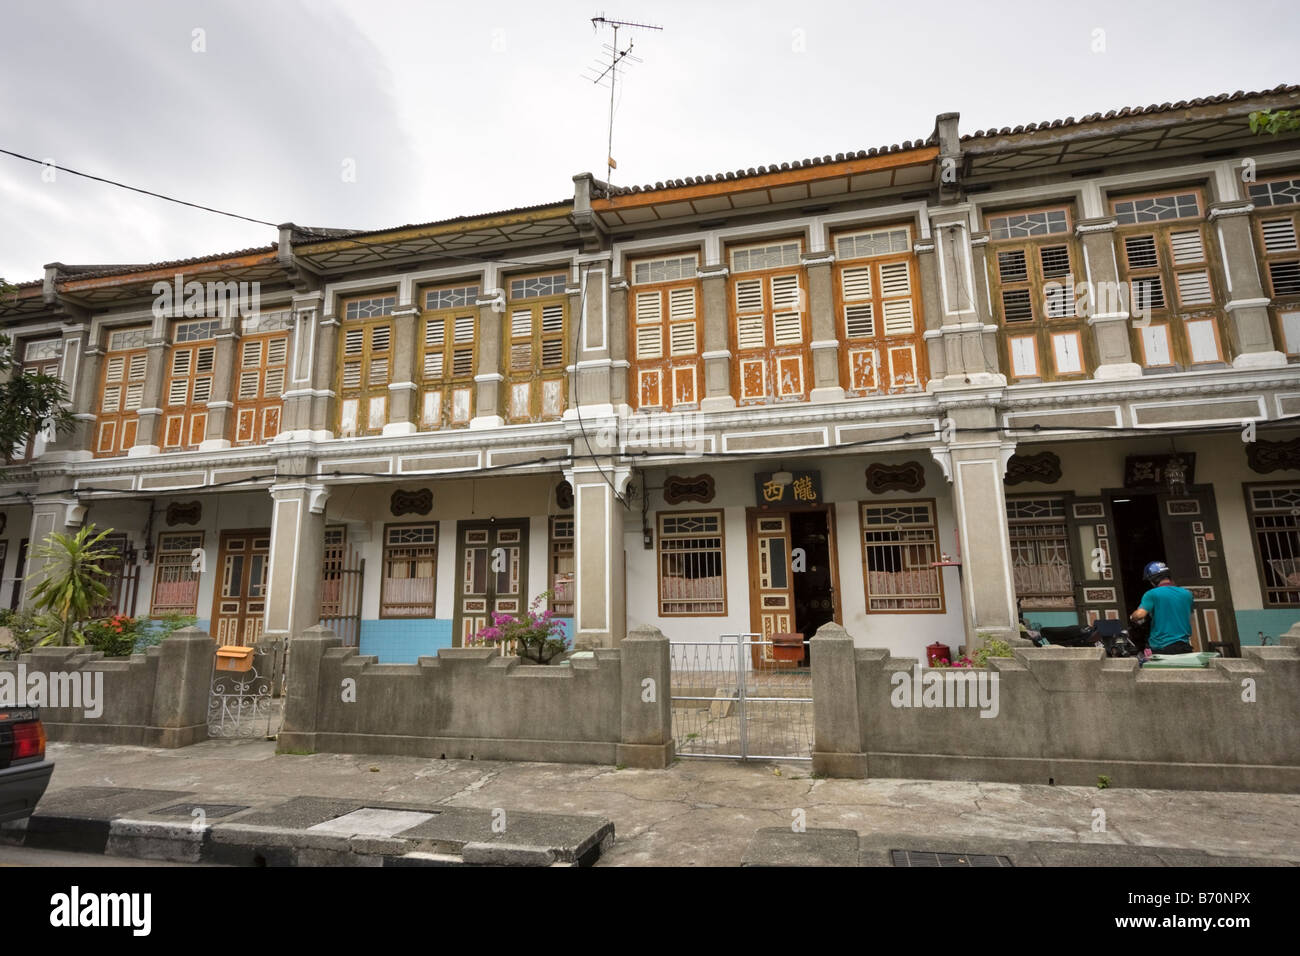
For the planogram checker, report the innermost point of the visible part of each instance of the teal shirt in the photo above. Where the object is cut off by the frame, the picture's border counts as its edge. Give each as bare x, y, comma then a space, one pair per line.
1170, 608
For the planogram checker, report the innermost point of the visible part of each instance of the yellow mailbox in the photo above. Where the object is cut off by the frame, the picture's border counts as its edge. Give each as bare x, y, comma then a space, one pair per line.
232, 657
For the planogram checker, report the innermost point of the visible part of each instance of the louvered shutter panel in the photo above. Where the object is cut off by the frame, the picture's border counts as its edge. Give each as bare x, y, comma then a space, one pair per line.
859, 321
1186, 247
177, 391
1194, 288
277, 351
202, 390
681, 304
785, 292
552, 318
749, 295
898, 317
1279, 235
895, 279
248, 383
181, 362
251, 355
750, 333
649, 342
856, 282
1141, 252
649, 307
683, 338
787, 328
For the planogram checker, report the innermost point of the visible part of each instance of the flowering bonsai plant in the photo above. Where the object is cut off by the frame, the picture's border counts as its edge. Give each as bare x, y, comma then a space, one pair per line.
537, 636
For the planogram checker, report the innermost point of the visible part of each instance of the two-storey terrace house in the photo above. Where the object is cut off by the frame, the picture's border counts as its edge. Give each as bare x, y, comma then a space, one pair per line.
916, 390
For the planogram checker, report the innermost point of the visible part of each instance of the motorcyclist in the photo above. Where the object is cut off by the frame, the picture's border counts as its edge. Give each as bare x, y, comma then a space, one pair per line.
1170, 610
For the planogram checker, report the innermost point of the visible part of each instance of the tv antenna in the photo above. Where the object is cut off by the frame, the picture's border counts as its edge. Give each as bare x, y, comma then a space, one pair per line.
616, 56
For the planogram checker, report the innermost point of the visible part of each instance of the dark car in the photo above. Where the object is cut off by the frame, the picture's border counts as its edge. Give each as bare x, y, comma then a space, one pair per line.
24, 771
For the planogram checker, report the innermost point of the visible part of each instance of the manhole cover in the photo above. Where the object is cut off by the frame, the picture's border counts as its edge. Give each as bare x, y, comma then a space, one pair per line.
924, 858
208, 809
372, 821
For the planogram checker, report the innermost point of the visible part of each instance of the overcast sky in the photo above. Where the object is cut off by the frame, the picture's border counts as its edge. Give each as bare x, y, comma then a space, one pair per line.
453, 108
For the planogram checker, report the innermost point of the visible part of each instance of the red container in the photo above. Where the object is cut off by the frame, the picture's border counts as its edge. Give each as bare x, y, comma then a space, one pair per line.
937, 651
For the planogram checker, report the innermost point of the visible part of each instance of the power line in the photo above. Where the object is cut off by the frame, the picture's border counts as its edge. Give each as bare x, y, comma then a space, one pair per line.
137, 189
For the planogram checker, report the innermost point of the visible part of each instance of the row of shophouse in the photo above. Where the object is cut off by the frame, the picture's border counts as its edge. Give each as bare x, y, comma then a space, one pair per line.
919, 390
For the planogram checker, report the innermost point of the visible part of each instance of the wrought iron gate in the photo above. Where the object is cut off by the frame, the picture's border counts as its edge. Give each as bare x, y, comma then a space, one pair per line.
342, 576
739, 697
246, 704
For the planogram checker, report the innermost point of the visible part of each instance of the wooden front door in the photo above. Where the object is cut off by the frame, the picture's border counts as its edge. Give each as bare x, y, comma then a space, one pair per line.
491, 574
1098, 591
1194, 553
240, 604
771, 588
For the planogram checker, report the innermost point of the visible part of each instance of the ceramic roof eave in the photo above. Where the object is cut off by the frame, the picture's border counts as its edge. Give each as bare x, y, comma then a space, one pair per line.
778, 178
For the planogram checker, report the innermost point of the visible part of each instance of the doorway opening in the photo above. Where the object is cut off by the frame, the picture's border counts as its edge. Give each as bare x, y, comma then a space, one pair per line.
1140, 539
792, 589
814, 594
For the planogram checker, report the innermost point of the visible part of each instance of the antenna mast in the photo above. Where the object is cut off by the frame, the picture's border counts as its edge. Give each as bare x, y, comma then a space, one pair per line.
615, 56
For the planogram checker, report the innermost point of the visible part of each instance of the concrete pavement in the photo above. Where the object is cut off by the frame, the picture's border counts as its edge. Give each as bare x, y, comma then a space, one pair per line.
707, 813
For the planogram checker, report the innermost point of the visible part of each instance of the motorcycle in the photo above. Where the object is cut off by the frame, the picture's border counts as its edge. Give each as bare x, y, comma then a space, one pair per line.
1110, 635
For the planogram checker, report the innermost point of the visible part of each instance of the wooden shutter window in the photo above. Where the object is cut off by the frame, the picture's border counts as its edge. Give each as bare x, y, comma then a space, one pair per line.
365, 365
876, 299
771, 357
263, 368
448, 357
126, 365
1164, 250
535, 339
1033, 264
1277, 223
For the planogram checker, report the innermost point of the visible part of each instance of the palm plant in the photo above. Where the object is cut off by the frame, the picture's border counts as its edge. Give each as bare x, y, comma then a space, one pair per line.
74, 581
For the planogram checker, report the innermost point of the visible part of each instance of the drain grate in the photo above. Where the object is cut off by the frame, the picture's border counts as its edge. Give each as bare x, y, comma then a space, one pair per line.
926, 858
209, 809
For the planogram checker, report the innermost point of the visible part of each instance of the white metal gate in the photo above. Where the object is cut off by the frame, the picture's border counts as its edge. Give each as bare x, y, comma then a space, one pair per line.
741, 696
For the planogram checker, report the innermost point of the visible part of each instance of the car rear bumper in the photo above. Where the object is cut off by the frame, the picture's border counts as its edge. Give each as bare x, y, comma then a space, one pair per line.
21, 788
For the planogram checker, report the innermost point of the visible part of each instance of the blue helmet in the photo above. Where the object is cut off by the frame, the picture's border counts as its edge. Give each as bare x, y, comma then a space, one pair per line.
1154, 571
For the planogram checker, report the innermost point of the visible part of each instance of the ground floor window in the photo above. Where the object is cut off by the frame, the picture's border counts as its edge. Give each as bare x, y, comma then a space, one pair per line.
1275, 529
899, 551
1040, 553
561, 565
409, 575
692, 581
176, 574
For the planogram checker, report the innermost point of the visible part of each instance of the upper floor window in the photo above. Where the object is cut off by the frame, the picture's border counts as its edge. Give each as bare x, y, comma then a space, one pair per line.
879, 312
666, 332
121, 391
1032, 272
365, 365
39, 357
536, 342
1164, 252
261, 378
190, 367
1277, 222
769, 322
448, 355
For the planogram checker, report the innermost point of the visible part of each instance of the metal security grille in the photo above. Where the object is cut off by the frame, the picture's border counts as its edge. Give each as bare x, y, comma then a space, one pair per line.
1275, 526
1040, 552
900, 550
736, 697
691, 578
342, 579
410, 556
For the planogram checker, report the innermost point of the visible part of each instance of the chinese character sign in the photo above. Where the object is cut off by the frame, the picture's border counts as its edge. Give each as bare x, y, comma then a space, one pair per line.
802, 490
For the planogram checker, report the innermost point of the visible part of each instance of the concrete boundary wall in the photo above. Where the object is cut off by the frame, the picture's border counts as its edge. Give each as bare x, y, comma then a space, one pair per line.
473, 703
1065, 716
155, 699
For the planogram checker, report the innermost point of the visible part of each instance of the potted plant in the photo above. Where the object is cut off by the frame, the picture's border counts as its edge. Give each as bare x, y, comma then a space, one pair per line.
537, 636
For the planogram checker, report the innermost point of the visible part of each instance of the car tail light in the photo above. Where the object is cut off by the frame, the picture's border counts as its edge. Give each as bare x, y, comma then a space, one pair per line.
29, 740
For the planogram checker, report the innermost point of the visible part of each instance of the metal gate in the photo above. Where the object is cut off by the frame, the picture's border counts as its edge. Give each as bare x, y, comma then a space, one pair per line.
246, 704
741, 696
342, 577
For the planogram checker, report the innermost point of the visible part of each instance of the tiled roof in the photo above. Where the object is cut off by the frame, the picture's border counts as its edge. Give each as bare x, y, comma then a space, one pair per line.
605, 190
305, 235
98, 271
1131, 111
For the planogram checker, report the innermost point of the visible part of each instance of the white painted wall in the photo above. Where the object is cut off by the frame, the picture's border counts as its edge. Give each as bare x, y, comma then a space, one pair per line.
844, 485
